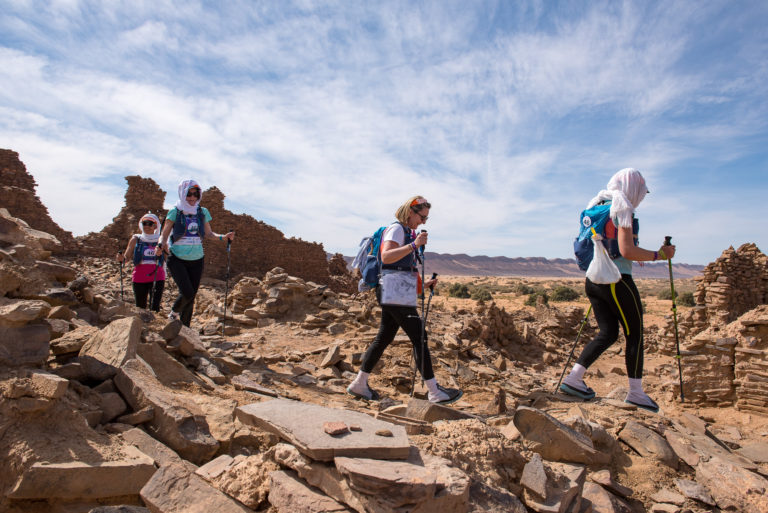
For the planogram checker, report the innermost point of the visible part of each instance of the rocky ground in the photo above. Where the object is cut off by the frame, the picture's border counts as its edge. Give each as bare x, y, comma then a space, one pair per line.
106, 407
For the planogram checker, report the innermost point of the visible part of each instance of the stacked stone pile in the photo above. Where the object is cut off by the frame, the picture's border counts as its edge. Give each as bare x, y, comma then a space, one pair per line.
751, 361
713, 349
734, 283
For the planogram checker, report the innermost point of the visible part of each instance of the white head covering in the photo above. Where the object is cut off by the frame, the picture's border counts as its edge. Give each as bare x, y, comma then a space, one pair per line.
625, 190
182, 204
153, 237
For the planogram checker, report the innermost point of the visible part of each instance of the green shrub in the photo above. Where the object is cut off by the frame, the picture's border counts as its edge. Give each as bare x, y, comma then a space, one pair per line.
458, 290
524, 289
666, 294
482, 294
563, 293
532, 298
687, 299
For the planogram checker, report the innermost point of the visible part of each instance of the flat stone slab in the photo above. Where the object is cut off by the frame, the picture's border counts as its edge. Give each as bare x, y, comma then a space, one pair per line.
421, 484
757, 452
301, 424
78, 480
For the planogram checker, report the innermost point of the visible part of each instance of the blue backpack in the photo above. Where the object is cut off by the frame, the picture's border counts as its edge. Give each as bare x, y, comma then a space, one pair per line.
368, 260
597, 220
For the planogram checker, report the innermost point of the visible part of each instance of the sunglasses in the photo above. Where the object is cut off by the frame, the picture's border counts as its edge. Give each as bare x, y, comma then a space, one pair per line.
193, 192
147, 223
423, 217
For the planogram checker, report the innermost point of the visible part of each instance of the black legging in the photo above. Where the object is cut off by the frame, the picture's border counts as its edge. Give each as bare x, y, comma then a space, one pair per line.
392, 318
187, 275
614, 305
141, 293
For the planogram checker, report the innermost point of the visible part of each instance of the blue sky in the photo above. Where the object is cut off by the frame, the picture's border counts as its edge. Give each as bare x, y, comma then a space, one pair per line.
320, 118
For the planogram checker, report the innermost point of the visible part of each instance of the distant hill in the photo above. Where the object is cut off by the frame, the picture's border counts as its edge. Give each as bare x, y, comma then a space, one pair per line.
465, 265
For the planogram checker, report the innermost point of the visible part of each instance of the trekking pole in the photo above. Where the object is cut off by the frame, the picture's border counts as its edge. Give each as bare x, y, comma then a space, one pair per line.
423, 325
154, 282
429, 301
121, 280
226, 287
578, 335
668, 242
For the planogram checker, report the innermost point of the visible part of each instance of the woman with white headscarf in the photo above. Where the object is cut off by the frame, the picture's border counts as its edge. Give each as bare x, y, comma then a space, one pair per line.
619, 304
187, 224
148, 268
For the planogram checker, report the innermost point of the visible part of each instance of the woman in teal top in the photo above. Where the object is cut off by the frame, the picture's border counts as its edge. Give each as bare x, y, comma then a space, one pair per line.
187, 224
618, 304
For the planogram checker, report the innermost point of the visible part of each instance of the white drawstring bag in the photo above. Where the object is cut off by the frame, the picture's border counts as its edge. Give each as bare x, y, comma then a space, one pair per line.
602, 270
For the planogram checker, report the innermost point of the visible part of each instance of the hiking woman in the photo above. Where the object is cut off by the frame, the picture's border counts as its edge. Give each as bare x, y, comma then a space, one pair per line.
148, 277
619, 304
399, 252
187, 224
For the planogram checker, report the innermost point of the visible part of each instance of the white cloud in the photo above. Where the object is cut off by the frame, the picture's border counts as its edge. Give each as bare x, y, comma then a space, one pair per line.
323, 119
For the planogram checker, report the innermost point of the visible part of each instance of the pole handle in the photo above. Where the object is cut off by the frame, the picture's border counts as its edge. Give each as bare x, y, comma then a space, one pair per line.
668, 240
432, 287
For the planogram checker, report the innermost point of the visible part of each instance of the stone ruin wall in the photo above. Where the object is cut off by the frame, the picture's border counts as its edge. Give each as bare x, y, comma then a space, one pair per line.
724, 339
257, 248
143, 195
17, 194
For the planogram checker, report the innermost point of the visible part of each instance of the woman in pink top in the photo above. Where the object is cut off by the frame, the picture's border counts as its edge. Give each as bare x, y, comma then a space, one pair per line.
148, 269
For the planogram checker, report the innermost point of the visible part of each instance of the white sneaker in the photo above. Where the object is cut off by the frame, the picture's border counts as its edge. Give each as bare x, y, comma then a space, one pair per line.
173, 316
444, 395
642, 400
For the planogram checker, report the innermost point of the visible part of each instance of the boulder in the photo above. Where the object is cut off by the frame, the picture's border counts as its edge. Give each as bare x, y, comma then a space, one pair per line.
245, 478
554, 440
160, 453
648, 444
57, 272
112, 405
420, 409
78, 480
178, 422
47, 385
108, 349
174, 489
188, 342
603, 501
562, 487
58, 296
26, 346
733, 487
288, 494
604, 479
694, 490
21, 312
167, 369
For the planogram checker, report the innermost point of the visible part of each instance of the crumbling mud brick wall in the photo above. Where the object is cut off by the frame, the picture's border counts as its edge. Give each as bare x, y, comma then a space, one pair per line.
17, 194
259, 247
143, 195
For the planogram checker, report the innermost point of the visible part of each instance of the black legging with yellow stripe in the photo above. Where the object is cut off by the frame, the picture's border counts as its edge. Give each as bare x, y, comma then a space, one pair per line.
616, 304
